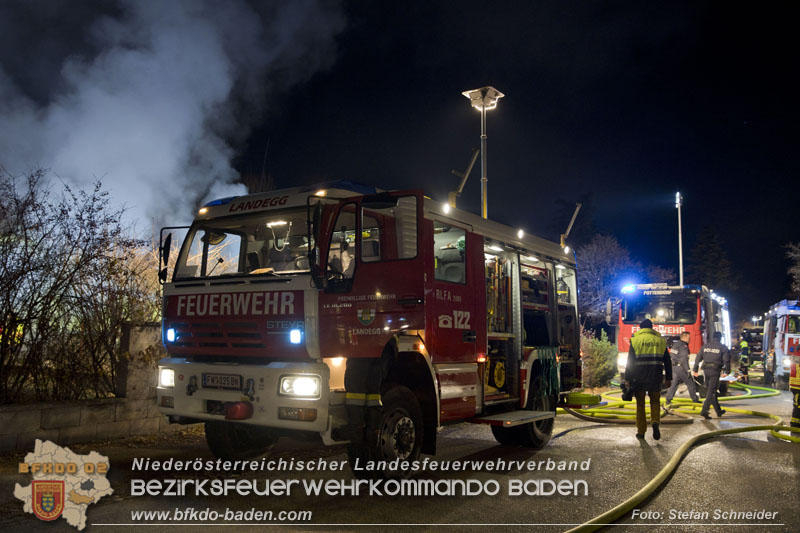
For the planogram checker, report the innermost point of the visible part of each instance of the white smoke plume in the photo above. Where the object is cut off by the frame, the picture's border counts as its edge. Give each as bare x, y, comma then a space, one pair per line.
150, 96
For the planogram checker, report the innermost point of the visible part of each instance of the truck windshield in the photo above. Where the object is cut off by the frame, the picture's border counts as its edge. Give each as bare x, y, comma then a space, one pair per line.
663, 310
267, 243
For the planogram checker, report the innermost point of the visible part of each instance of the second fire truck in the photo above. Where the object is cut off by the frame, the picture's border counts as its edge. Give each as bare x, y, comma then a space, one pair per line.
673, 310
273, 293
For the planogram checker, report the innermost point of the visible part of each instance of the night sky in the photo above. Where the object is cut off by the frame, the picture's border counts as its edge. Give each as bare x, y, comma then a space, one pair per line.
626, 102
616, 104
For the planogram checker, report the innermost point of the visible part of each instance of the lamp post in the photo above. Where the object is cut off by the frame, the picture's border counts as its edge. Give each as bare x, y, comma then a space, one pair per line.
483, 100
678, 203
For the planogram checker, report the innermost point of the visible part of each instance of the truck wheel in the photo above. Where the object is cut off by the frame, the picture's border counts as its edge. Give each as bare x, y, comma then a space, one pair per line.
400, 436
505, 435
536, 434
231, 441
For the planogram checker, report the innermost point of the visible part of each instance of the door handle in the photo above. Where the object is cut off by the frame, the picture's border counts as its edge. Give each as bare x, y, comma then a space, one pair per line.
409, 301
469, 336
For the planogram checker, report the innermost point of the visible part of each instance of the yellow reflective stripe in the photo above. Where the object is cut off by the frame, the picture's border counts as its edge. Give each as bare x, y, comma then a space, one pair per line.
355, 398
373, 397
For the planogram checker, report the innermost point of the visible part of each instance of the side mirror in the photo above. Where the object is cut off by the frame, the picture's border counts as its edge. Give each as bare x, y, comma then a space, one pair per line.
163, 257
317, 276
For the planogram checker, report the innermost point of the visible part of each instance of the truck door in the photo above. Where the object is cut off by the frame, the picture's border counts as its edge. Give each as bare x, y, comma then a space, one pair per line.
456, 317
374, 249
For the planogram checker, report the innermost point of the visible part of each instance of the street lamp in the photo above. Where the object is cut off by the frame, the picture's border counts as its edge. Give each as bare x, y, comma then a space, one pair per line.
678, 203
483, 100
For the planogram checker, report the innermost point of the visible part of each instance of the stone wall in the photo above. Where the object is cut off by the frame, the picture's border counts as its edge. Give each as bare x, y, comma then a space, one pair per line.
132, 412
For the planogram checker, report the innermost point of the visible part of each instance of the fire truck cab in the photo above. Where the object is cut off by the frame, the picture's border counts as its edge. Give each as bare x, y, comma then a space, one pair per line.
271, 294
781, 342
673, 310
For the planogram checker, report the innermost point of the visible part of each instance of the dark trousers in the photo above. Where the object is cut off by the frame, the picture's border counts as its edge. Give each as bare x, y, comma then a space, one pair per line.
711, 382
681, 375
654, 392
362, 383
795, 423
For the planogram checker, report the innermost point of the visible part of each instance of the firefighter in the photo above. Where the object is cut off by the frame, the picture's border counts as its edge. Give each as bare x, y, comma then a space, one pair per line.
744, 360
362, 382
648, 361
679, 354
716, 359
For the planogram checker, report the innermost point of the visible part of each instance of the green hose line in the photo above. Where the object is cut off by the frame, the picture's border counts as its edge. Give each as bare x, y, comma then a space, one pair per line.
610, 516
617, 411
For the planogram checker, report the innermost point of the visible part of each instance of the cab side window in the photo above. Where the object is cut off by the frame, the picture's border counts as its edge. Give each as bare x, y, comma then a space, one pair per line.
389, 233
449, 253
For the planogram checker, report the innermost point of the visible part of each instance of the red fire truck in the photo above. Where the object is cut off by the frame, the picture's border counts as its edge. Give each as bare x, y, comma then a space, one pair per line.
673, 310
782, 344
272, 293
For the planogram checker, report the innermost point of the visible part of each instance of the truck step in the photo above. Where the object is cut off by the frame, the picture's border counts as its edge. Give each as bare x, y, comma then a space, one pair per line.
513, 418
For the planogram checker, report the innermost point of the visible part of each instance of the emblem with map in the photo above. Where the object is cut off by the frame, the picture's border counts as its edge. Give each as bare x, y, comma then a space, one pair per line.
64, 483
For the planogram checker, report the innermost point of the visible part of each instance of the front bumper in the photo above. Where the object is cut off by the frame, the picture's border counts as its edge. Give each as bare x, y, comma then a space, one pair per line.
203, 403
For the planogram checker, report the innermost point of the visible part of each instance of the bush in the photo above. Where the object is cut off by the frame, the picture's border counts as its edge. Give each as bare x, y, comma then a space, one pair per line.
70, 277
599, 358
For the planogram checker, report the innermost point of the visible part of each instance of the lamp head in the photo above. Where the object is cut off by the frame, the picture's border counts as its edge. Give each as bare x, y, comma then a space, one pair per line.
483, 98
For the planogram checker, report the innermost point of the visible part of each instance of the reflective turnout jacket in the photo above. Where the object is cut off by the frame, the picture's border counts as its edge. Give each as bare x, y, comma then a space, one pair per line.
648, 359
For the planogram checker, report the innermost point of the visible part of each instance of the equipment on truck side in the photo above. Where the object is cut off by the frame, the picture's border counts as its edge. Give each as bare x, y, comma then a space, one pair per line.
343, 312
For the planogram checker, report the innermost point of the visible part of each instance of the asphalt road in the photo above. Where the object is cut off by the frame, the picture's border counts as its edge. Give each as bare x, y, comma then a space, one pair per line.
747, 472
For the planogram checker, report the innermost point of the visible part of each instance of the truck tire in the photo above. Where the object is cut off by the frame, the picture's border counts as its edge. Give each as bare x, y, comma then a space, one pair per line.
400, 436
232, 441
536, 434
505, 435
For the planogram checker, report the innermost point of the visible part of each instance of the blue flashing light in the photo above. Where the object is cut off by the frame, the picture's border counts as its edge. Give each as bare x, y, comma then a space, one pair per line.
220, 201
627, 289
171, 336
295, 336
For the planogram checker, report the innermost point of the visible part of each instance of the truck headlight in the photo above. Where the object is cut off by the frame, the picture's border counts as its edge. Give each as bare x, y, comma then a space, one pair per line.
300, 386
787, 361
166, 378
171, 335
622, 359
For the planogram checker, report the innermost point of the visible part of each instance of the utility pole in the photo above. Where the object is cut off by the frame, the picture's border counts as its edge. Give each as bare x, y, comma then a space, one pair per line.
678, 203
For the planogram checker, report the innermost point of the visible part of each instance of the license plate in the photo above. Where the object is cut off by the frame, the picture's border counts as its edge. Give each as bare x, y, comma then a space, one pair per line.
222, 381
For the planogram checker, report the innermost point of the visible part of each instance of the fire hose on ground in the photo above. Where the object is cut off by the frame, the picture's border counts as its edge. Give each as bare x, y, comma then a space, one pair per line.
682, 408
